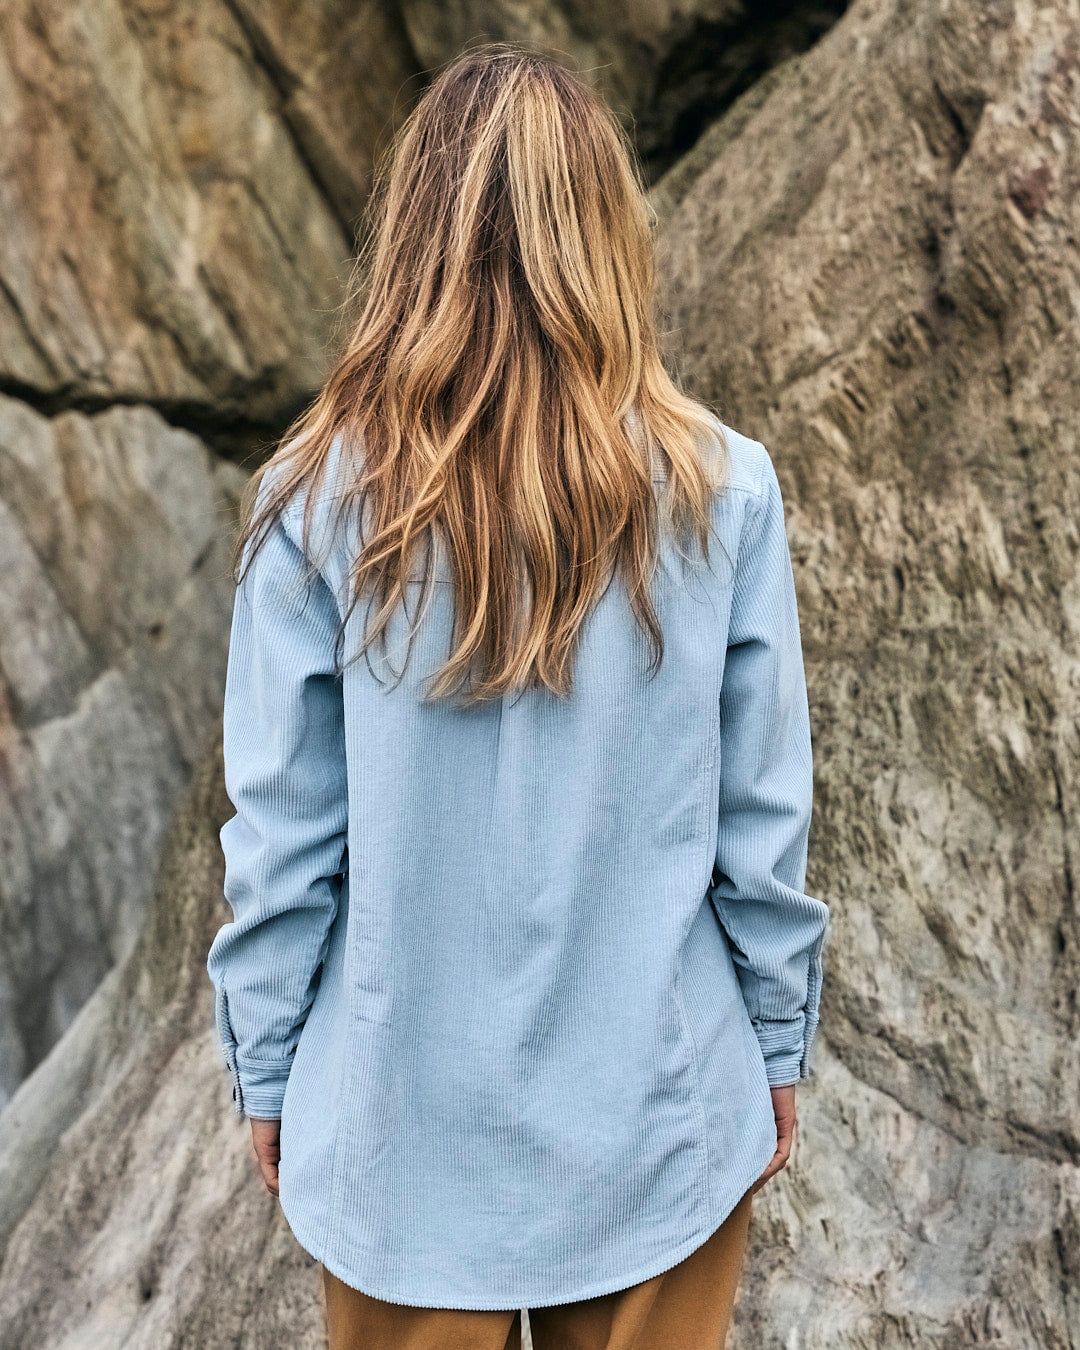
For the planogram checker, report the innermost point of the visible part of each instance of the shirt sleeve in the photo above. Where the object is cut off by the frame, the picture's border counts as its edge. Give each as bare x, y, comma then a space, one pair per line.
286, 845
777, 931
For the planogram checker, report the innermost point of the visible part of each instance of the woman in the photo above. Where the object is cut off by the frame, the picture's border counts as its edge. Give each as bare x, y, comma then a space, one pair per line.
521, 966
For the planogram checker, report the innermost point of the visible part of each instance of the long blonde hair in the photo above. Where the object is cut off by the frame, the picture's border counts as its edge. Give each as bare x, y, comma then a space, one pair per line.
502, 387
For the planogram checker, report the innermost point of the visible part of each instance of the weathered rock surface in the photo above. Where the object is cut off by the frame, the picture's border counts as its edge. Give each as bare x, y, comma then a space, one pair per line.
874, 267
148, 1225
167, 238
114, 534
179, 185
871, 263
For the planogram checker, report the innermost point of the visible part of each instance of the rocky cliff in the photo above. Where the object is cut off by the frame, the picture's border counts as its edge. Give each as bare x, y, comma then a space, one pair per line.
870, 262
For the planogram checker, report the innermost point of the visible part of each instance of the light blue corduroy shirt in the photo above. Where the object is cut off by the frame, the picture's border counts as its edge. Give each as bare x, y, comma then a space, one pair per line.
517, 978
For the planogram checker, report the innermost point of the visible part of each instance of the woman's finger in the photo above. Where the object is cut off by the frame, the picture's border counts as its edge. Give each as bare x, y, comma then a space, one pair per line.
786, 1125
265, 1140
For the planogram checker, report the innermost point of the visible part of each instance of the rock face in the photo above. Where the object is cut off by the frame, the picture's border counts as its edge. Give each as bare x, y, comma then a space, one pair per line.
874, 266
178, 186
168, 238
871, 264
114, 531
147, 1224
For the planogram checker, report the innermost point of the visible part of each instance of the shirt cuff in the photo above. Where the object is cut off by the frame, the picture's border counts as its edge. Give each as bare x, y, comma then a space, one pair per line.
259, 1087
787, 1046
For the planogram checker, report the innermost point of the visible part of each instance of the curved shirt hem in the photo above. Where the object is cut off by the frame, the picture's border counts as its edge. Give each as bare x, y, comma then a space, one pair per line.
526, 1300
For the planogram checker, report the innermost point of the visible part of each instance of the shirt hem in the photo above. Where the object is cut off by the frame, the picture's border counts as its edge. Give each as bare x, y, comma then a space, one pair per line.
686, 1248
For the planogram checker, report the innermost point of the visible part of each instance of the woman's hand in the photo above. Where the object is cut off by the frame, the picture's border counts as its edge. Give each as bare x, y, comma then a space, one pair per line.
784, 1109
265, 1139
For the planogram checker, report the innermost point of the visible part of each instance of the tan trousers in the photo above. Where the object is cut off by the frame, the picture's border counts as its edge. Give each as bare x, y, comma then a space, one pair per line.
686, 1308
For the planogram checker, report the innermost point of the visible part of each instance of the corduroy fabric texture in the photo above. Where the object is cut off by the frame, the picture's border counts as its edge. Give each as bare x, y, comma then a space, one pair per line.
517, 978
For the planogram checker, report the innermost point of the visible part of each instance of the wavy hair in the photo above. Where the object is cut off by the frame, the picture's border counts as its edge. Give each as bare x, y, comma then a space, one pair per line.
502, 388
